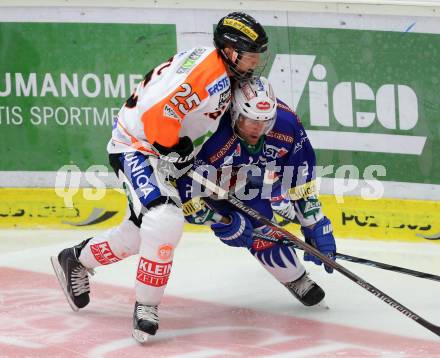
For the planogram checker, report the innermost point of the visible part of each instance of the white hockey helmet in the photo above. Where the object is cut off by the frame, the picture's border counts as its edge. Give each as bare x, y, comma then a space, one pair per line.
254, 98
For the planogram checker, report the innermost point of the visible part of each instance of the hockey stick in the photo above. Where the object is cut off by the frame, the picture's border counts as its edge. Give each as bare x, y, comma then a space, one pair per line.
360, 260
220, 192
355, 259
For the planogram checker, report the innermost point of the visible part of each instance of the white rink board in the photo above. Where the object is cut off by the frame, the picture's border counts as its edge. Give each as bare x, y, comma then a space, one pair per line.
194, 28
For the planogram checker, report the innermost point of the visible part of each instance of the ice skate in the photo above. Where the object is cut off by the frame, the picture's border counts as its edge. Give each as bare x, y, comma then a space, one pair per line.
145, 322
73, 277
306, 290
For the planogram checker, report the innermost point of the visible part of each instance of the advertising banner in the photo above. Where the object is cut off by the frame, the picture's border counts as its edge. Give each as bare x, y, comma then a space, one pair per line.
366, 90
42, 208
366, 97
62, 85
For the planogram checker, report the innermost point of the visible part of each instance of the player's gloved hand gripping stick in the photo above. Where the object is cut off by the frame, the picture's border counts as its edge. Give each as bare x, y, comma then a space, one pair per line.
220, 192
354, 259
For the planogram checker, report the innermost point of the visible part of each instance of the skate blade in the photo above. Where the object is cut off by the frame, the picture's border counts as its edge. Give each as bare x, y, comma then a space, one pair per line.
140, 336
62, 281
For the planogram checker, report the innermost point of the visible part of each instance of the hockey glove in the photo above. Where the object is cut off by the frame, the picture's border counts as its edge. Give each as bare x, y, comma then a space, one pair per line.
197, 212
237, 233
320, 237
177, 160
284, 208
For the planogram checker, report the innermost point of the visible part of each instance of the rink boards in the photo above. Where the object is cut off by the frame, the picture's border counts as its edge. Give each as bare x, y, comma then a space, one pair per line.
369, 112
382, 219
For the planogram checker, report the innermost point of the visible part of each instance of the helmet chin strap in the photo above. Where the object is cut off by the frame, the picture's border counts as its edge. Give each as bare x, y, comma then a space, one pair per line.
233, 63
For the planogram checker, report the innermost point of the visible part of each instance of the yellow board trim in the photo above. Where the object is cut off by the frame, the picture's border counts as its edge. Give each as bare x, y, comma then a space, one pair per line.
28, 208
386, 219
383, 219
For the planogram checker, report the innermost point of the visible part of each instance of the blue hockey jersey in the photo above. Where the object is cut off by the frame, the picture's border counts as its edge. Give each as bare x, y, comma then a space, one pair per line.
282, 161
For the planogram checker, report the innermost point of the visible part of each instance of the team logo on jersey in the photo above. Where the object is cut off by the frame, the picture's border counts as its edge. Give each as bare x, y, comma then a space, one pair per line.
191, 60
225, 98
169, 112
280, 136
263, 106
282, 152
220, 85
223, 150
299, 145
273, 152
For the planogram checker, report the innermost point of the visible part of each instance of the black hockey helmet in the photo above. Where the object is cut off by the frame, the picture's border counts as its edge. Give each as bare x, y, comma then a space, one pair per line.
241, 32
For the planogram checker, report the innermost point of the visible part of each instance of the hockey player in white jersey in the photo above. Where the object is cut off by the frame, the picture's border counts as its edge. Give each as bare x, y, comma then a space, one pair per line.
156, 134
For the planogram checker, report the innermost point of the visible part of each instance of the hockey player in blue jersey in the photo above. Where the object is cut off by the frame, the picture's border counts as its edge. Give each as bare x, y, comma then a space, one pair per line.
262, 148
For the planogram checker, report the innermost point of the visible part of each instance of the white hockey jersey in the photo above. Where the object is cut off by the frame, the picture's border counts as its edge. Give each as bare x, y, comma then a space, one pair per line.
185, 96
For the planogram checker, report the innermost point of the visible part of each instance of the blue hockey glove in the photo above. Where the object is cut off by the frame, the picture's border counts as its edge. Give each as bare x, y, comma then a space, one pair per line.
237, 233
320, 237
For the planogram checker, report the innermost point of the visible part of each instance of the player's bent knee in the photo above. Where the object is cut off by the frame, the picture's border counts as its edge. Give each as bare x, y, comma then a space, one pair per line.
163, 224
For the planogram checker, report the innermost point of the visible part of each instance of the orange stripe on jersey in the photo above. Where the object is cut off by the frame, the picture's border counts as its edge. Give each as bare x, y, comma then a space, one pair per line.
162, 122
118, 141
134, 141
136, 145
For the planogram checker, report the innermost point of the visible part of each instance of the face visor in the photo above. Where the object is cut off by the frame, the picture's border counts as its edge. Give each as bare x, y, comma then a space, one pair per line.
245, 64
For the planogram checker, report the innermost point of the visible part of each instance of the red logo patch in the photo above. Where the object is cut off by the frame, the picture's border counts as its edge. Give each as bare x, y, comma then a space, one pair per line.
282, 152
260, 244
153, 273
103, 254
164, 252
263, 106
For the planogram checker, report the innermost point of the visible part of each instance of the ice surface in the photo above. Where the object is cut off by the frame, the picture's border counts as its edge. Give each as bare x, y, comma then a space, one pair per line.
219, 302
